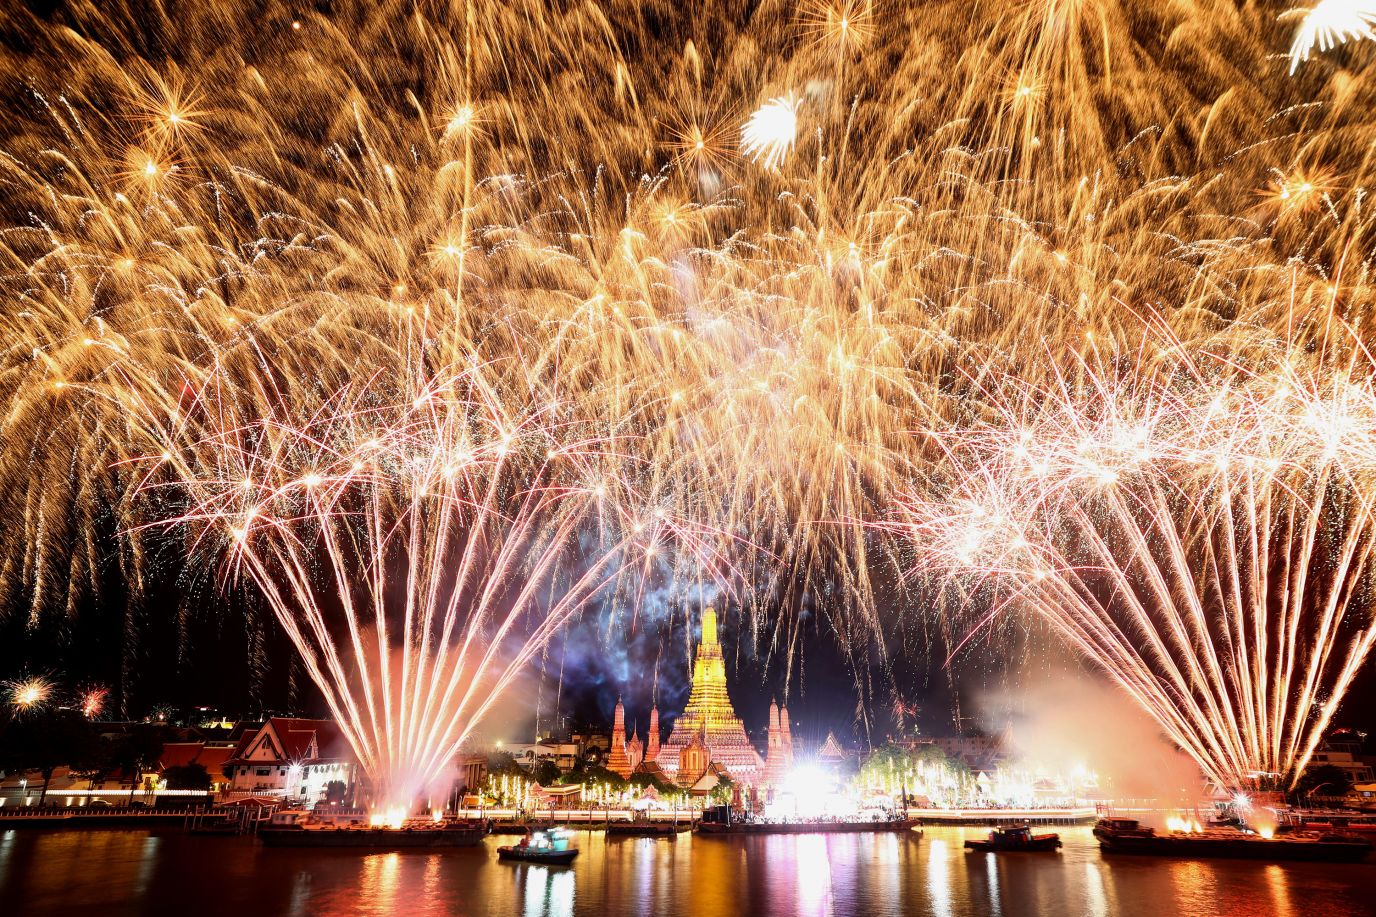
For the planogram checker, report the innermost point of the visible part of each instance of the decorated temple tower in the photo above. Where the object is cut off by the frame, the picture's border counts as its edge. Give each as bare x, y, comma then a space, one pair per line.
709, 714
618, 760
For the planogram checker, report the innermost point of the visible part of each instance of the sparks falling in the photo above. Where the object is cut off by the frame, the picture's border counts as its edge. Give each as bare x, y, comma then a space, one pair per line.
1208, 547
744, 309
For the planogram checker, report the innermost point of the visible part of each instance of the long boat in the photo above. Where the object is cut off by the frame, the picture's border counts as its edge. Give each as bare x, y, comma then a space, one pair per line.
375, 838
293, 828
1126, 836
806, 827
646, 828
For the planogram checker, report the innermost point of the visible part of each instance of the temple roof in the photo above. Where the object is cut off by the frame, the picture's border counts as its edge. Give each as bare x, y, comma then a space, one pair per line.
709, 712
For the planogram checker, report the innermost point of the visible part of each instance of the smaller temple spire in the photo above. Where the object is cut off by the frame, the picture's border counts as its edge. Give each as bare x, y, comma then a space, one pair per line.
618, 761
652, 738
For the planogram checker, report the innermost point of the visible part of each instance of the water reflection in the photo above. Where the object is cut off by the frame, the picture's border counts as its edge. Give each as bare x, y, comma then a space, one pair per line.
549, 890
938, 876
813, 875
135, 873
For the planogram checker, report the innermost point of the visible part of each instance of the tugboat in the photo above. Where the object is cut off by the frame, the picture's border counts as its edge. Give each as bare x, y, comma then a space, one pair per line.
1019, 839
1125, 835
298, 828
549, 847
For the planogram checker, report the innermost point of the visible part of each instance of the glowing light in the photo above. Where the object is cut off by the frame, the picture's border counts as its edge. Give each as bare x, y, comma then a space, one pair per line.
30, 693
1331, 23
771, 131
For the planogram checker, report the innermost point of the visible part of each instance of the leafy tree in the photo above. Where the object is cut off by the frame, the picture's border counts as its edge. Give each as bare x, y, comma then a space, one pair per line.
598, 774
191, 776
662, 787
138, 749
1323, 780
47, 741
545, 772
888, 762
336, 791
724, 791
499, 763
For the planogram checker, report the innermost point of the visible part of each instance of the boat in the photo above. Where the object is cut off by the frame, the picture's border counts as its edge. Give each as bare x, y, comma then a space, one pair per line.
825, 826
1127, 836
551, 847
1015, 839
645, 828
295, 828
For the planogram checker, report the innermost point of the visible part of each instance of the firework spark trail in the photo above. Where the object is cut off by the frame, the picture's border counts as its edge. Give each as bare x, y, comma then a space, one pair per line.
276, 199
1206, 546
404, 549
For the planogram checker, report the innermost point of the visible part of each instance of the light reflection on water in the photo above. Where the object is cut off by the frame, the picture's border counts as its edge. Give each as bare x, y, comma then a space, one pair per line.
116, 873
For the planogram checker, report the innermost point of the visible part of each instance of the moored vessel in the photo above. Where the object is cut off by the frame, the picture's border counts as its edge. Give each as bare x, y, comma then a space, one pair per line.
732, 826
1127, 836
647, 828
296, 828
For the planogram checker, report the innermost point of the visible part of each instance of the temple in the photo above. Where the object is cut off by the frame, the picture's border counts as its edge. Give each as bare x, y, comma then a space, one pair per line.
779, 751
709, 719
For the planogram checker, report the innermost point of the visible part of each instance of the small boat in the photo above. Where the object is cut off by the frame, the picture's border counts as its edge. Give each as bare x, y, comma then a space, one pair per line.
1125, 835
551, 847
1020, 839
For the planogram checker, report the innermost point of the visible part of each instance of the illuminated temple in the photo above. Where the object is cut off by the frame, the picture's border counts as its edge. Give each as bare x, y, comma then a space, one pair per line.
710, 719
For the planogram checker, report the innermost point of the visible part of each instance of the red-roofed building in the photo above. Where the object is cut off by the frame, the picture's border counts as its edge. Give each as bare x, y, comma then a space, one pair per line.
210, 755
290, 757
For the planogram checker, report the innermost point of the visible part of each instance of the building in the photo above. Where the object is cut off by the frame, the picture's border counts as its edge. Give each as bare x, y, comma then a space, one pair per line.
779, 746
210, 755
709, 714
618, 757
1342, 749
290, 757
528, 754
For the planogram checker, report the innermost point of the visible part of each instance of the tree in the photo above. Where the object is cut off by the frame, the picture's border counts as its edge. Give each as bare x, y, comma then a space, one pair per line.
662, 787
598, 774
724, 792
336, 791
191, 776
138, 749
47, 741
889, 762
544, 772
1323, 780
499, 763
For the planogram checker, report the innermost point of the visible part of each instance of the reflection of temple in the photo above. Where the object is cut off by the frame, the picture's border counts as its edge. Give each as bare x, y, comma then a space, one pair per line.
709, 721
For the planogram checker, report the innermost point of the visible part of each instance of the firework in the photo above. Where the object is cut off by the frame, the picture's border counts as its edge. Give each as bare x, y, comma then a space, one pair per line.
299, 196
418, 553
771, 131
1209, 547
1331, 23
91, 702
30, 693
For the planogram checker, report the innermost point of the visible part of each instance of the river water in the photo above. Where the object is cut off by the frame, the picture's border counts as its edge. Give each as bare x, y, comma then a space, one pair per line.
116, 873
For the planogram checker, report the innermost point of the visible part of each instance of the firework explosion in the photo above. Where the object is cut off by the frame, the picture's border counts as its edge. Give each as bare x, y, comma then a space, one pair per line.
29, 693
403, 544
739, 254
1208, 545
